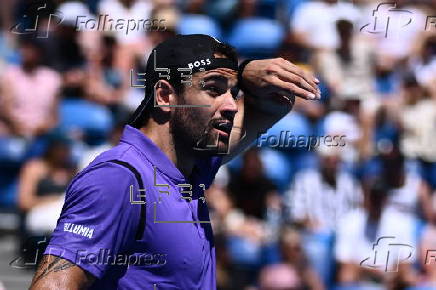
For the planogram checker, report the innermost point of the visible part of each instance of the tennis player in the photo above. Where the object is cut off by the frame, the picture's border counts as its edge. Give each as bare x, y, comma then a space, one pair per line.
136, 217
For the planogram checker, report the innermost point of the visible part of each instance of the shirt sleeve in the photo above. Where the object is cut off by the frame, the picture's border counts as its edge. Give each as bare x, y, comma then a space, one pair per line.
97, 220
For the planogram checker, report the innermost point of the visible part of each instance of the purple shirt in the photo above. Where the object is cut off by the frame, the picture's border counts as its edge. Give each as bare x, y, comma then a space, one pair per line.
101, 215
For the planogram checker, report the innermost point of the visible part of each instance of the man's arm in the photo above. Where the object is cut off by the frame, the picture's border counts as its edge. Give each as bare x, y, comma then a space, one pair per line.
57, 273
97, 215
270, 87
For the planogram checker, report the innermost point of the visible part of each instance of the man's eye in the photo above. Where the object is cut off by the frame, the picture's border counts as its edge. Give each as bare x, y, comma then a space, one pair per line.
213, 89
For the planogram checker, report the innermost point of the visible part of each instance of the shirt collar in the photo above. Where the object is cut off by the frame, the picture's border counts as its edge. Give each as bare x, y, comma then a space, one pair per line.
151, 151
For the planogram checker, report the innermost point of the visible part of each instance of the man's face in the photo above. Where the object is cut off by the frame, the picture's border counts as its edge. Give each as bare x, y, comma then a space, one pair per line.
207, 129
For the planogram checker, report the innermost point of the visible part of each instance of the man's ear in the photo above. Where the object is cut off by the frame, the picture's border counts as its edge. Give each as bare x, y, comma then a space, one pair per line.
164, 95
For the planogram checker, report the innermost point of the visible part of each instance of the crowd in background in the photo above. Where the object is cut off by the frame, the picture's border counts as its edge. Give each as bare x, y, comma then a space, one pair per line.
357, 216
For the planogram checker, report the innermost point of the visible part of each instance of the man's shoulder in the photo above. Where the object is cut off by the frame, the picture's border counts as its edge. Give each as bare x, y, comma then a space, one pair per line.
109, 169
124, 153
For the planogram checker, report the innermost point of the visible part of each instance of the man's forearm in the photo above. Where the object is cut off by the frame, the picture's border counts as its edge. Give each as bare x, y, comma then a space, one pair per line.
57, 273
252, 120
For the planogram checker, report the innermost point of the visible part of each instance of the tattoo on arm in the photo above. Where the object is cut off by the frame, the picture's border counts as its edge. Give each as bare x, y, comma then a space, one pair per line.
58, 264
52, 264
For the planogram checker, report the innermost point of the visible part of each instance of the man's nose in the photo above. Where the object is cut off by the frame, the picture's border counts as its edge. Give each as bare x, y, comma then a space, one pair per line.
229, 105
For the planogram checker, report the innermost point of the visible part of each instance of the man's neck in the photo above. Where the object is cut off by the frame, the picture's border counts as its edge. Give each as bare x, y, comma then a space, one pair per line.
159, 134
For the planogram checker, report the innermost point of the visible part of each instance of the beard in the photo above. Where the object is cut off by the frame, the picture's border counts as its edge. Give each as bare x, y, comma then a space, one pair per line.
194, 132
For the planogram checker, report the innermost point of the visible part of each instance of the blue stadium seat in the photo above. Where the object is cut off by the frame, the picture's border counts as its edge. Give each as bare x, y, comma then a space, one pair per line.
242, 251
257, 37
8, 189
198, 24
283, 161
12, 151
94, 120
295, 124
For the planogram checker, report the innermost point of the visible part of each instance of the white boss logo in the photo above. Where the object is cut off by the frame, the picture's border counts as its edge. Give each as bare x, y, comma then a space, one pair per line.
199, 62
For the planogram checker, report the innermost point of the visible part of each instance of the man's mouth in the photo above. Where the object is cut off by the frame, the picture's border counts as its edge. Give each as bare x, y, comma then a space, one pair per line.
224, 127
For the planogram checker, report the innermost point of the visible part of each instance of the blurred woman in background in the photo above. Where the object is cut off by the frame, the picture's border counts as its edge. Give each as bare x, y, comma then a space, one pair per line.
42, 184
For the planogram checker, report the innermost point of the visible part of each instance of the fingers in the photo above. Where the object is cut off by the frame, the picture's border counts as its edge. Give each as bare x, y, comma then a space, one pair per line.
299, 81
305, 79
293, 88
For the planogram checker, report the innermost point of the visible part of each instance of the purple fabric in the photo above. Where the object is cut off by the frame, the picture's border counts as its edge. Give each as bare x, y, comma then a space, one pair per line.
97, 226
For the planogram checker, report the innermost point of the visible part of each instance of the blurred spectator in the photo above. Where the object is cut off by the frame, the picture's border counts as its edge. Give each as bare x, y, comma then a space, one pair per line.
134, 95
131, 42
409, 194
344, 121
318, 200
221, 208
366, 239
171, 17
251, 193
279, 277
293, 254
349, 69
126, 10
423, 62
64, 50
314, 22
29, 94
103, 82
250, 189
416, 115
42, 186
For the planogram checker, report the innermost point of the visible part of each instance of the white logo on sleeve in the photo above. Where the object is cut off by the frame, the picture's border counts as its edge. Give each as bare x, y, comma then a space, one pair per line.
78, 230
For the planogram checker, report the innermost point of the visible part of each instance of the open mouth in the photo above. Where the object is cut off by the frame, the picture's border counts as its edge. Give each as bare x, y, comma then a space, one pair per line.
224, 127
